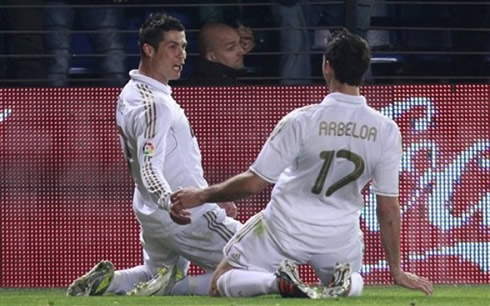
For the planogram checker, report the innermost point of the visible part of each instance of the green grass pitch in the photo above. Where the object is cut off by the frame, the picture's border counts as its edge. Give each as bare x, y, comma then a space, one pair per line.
459, 295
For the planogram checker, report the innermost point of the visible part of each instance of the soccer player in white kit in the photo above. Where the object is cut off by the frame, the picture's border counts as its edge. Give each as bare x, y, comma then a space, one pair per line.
162, 153
319, 157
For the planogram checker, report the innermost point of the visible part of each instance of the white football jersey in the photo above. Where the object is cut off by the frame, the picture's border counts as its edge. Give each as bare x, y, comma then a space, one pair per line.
320, 157
159, 145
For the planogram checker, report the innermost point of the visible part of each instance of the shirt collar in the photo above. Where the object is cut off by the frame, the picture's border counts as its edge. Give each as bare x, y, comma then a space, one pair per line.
341, 97
135, 75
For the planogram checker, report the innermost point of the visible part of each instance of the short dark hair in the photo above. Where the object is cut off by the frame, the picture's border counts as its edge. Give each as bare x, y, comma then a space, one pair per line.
153, 28
349, 55
207, 35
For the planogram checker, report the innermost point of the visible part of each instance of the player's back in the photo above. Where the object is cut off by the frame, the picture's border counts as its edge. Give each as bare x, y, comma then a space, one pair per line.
336, 147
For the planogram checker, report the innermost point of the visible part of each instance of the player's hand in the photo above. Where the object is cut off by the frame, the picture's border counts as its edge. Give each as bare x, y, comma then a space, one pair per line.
412, 281
187, 197
181, 200
247, 39
179, 214
230, 209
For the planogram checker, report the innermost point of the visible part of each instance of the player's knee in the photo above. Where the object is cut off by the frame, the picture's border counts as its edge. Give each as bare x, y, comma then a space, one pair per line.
222, 284
357, 284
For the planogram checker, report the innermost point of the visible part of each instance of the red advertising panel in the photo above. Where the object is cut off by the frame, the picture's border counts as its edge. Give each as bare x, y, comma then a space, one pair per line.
65, 200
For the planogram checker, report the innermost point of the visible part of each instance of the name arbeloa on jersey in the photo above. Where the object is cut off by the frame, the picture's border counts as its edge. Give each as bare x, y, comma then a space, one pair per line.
333, 128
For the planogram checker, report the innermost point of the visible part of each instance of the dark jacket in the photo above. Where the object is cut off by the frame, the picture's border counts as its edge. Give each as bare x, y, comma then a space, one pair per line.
214, 74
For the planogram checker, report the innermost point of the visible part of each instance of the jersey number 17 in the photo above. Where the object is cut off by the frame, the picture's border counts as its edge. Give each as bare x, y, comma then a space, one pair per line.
328, 156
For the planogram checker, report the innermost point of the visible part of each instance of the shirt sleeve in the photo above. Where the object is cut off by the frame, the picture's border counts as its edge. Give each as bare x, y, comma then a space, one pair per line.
152, 134
280, 150
386, 174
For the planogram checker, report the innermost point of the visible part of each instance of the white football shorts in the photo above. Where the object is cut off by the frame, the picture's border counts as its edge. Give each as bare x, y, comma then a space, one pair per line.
256, 248
200, 243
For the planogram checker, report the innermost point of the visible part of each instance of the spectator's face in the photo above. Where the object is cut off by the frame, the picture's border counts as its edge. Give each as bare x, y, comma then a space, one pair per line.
226, 49
168, 60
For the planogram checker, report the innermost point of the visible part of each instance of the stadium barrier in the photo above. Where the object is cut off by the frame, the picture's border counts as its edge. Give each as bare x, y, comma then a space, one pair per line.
65, 199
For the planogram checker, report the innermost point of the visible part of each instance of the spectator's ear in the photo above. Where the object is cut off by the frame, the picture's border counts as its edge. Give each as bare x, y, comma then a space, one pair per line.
210, 56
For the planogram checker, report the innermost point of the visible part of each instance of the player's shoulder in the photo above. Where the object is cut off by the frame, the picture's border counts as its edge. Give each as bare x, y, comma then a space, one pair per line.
140, 94
303, 116
293, 119
132, 93
302, 112
382, 118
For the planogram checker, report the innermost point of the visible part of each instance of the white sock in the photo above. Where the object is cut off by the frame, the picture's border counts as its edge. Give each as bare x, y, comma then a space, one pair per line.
356, 284
125, 280
193, 285
243, 283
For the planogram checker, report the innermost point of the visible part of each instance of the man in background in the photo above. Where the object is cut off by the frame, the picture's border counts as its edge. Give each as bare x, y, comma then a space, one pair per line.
222, 49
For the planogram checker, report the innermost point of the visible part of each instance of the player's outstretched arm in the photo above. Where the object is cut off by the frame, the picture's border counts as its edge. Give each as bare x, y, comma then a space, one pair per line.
235, 188
388, 212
